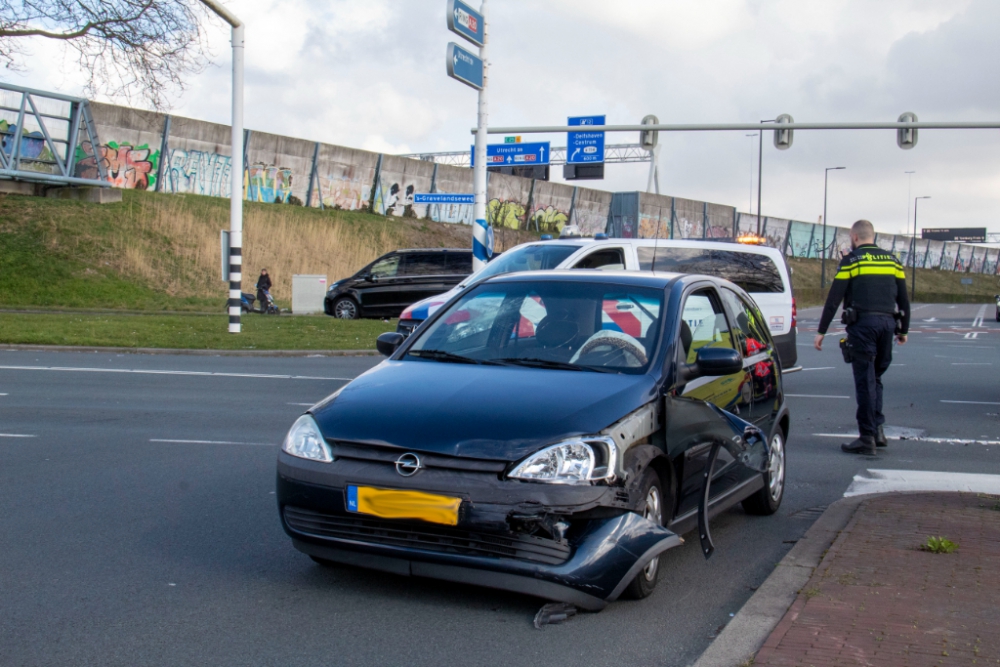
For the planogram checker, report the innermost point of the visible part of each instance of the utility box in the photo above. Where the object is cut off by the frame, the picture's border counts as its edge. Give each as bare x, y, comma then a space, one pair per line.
308, 293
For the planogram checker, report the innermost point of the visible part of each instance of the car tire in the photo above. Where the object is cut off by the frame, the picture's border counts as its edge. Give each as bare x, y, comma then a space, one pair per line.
654, 507
346, 308
767, 500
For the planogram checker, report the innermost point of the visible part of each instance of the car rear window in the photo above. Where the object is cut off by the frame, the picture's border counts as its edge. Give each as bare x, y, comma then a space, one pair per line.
751, 271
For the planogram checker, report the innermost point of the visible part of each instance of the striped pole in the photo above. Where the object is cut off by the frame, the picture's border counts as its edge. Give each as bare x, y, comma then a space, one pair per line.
236, 187
482, 246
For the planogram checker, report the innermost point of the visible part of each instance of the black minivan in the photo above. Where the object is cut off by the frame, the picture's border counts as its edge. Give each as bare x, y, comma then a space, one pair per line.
395, 280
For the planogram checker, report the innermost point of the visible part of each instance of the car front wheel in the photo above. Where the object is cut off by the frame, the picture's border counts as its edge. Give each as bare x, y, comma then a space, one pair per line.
345, 308
766, 501
654, 508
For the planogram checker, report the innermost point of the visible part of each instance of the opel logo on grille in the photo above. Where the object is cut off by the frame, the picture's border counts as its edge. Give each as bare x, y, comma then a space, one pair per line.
408, 465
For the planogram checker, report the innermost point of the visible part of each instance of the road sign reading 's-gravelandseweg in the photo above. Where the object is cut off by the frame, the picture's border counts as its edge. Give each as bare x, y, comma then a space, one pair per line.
443, 198
584, 147
465, 66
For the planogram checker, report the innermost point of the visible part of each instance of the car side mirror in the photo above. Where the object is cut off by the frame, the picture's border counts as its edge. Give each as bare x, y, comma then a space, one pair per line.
389, 342
714, 362
371, 278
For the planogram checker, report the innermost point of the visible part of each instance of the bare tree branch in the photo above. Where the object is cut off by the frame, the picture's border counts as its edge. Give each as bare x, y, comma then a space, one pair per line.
129, 48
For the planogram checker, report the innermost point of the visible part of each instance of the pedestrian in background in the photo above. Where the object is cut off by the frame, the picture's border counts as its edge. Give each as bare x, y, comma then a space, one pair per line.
872, 286
263, 289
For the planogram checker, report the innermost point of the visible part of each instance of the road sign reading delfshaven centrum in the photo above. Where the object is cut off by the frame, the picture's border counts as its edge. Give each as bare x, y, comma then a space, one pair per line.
584, 147
515, 155
465, 66
465, 21
443, 198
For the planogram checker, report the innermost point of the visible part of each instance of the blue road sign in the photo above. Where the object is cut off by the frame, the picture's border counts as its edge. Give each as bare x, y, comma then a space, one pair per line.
584, 147
465, 66
465, 21
443, 198
515, 155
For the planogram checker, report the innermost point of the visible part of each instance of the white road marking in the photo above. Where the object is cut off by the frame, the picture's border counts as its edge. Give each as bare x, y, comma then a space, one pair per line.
17, 435
212, 442
971, 402
4, 394
157, 372
978, 321
308, 405
937, 441
972, 335
972, 363
813, 396
820, 368
889, 481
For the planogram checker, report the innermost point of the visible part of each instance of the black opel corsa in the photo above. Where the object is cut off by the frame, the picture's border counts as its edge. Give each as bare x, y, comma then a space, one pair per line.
549, 433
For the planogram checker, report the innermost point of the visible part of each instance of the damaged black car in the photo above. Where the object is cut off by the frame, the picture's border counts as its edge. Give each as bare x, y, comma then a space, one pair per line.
550, 433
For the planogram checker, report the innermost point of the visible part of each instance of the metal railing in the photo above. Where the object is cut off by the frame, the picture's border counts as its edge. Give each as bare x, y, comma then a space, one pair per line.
39, 136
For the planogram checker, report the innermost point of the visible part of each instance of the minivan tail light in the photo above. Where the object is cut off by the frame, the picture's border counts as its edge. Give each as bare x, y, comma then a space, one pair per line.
795, 313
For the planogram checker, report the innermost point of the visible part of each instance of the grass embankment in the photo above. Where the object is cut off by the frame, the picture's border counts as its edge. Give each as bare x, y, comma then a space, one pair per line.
196, 332
933, 286
160, 253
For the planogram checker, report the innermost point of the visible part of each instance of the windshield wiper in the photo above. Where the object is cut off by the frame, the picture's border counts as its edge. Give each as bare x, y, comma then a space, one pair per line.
548, 363
442, 355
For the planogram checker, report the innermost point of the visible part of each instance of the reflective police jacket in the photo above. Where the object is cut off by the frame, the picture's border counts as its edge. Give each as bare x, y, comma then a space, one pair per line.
871, 280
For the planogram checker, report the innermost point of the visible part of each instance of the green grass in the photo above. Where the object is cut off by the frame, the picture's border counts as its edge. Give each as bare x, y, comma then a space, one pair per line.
260, 332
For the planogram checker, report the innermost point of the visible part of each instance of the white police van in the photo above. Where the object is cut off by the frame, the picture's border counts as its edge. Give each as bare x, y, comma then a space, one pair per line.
758, 269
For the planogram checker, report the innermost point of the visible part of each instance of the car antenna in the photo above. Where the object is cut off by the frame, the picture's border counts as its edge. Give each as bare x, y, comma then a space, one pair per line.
656, 238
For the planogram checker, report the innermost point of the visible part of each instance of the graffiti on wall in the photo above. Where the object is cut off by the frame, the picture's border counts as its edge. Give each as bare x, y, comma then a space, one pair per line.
392, 200
268, 183
125, 165
506, 213
198, 172
548, 219
342, 193
33, 145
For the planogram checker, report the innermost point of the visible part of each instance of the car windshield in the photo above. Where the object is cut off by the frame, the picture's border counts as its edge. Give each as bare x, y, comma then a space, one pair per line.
563, 325
528, 258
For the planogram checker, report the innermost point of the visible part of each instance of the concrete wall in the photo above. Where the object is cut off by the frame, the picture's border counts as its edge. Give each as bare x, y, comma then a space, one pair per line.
196, 158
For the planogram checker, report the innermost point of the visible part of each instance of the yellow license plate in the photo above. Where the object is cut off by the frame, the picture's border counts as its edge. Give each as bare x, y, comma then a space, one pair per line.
395, 504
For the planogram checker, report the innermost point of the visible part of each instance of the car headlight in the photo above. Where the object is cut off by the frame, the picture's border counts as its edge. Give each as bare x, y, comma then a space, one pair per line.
306, 442
576, 461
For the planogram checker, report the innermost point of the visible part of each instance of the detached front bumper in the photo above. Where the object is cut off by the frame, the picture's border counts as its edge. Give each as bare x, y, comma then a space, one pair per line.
602, 548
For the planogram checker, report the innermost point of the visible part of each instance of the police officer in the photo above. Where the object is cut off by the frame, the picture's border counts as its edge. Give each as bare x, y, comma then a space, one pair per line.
871, 283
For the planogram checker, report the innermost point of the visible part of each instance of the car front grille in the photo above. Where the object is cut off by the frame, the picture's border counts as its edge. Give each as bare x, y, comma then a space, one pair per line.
426, 537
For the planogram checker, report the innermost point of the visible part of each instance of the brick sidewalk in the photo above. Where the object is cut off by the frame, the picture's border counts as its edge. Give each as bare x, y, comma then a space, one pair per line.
878, 599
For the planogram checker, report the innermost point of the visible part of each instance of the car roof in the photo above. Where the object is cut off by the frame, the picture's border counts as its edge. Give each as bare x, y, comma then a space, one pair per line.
731, 246
466, 250
637, 278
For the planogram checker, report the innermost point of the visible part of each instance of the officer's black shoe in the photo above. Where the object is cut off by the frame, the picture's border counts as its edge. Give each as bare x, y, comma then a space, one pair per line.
865, 444
880, 439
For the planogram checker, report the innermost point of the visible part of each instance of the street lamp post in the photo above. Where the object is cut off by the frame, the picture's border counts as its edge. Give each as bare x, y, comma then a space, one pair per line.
822, 271
913, 262
236, 168
751, 171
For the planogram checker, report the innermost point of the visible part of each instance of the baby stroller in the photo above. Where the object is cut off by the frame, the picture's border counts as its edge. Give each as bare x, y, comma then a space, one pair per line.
267, 304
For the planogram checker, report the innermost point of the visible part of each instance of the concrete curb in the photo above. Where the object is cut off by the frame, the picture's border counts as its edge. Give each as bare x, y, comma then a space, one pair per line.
753, 624
203, 353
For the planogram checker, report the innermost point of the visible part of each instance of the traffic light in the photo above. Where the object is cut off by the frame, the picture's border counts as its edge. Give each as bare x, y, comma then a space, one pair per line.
648, 138
783, 138
906, 138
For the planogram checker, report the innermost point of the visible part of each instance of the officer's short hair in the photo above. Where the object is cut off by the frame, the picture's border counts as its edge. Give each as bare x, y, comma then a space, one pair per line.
864, 230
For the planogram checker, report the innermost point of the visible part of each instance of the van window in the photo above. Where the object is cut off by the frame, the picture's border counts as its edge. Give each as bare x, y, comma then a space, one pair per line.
751, 271
607, 258
386, 267
459, 263
426, 264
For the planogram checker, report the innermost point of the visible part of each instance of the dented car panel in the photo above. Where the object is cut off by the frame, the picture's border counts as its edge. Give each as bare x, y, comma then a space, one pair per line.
466, 427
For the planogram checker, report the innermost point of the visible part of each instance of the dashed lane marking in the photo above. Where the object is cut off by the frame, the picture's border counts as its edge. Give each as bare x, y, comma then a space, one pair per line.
140, 371
978, 321
971, 402
938, 441
17, 435
212, 442
813, 396
308, 405
820, 368
972, 363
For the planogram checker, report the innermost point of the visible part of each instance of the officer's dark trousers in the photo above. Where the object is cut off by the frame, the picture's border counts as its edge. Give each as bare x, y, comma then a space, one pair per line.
871, 338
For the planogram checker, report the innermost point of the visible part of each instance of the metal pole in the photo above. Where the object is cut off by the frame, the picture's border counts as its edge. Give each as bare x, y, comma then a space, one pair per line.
751, 174
822, 262
481, 247
760, 167
913, 265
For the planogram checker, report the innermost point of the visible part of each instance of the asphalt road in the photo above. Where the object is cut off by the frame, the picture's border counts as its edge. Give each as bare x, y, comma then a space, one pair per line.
139, 525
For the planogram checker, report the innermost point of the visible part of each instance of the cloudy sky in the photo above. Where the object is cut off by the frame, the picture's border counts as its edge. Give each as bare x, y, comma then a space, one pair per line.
371, 74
